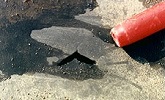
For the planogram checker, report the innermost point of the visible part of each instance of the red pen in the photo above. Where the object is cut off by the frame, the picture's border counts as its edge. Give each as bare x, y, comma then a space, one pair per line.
140, 26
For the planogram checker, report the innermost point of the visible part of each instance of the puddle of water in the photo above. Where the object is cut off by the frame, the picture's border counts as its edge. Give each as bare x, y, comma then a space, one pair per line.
19, 53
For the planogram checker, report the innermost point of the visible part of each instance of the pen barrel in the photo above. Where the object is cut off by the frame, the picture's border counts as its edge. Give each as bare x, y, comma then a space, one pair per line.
140, 26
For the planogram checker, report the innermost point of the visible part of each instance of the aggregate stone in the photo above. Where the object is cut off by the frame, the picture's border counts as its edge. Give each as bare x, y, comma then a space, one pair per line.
123, 77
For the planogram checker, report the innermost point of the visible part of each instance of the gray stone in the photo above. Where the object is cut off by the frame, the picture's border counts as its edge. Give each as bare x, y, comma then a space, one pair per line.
71, 39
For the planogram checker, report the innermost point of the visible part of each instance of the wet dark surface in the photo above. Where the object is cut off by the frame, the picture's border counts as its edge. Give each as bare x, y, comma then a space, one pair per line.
13, 11
20, 53
120, 77
76, 70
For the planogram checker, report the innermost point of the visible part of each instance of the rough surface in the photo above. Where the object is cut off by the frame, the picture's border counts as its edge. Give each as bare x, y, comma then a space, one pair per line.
149, 3
71, 39
13, 11
119, 74
124, 79
115, 11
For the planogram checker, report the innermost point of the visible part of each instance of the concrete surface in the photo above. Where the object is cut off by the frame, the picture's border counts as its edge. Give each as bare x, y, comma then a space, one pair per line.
13, 11
120, 76
115, 11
